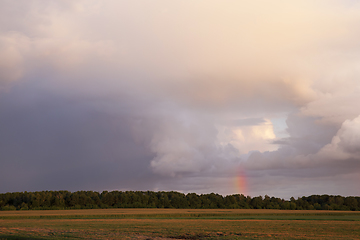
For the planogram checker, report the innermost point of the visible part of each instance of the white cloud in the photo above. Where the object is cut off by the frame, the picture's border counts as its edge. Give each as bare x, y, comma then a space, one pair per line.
249, 137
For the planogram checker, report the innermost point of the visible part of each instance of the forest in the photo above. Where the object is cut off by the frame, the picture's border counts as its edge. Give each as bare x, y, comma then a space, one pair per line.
52, 200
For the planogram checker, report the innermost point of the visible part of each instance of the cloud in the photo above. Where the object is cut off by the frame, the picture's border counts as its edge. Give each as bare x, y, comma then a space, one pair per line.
340, 155
346, 143
336, 106
11, 59
183, 146
180, 92
54, 143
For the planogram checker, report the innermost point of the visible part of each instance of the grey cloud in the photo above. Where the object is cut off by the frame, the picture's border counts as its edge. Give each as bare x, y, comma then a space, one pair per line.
49, 142
249, 121
350, 137
345, 144
329, 155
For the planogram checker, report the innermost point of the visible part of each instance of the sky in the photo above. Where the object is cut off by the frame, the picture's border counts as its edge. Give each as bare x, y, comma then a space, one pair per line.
231, 97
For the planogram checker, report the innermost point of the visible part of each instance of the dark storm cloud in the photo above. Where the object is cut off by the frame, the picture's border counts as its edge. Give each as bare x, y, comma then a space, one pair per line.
50, 142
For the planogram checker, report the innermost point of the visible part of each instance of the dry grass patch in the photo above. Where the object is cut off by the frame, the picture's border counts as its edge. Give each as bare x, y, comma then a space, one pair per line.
171, 224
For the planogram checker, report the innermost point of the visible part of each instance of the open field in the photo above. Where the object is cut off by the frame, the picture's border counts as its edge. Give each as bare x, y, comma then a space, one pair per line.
179, 224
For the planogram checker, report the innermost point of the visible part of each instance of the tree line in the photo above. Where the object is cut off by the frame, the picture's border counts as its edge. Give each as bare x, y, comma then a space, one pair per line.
56, 200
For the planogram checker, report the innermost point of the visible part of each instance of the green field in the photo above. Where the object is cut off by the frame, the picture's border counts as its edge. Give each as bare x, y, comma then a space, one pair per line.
179, 224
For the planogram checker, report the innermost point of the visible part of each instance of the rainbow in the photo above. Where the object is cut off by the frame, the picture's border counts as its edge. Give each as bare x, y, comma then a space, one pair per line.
241, 183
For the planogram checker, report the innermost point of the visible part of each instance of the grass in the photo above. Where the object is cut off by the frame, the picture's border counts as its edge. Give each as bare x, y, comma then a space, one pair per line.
179, 224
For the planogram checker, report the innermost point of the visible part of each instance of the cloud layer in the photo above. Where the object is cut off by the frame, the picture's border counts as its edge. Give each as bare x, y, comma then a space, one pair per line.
180, 95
